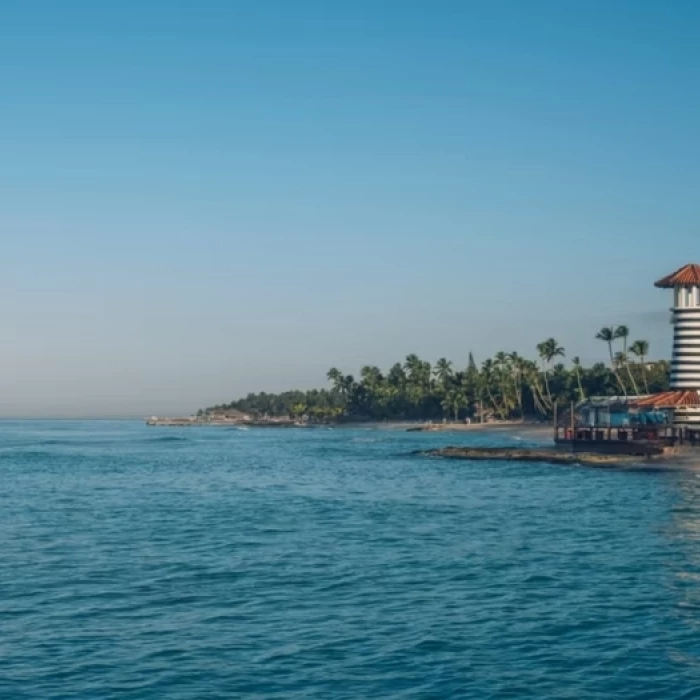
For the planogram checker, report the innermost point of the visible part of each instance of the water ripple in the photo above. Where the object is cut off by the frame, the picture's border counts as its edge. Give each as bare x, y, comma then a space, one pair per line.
326, 564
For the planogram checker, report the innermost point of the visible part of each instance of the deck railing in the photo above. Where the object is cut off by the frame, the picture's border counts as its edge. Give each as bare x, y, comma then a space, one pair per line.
618, 434
661, 435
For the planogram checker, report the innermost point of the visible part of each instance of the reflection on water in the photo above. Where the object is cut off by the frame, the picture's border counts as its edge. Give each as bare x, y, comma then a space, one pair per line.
684, 531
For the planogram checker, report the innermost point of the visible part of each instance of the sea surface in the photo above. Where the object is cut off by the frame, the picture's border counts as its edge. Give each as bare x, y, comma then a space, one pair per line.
150, 563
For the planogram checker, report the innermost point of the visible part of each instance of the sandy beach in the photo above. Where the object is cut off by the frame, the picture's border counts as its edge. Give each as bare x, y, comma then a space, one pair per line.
495, 426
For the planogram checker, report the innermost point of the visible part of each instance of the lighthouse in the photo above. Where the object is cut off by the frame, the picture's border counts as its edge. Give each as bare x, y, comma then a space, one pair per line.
685, 361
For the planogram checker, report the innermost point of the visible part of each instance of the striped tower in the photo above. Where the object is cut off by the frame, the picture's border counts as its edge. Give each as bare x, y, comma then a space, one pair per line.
685, 363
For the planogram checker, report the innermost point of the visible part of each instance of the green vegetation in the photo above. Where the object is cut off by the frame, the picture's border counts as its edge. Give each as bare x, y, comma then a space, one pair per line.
505, 386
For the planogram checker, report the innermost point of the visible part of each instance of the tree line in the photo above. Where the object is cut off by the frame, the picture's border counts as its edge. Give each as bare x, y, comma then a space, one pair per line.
504, 386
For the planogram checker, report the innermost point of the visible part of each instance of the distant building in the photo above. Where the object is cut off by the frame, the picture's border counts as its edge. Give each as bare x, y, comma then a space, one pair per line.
615, 412
685, 363
229, 414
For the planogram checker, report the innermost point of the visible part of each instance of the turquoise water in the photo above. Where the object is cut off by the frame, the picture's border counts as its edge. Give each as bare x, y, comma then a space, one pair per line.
215, 563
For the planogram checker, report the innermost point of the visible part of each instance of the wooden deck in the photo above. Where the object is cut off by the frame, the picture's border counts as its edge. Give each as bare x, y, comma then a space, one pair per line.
633, 440
641, 448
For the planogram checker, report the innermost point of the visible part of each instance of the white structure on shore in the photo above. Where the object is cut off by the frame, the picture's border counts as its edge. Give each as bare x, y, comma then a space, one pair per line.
685, 363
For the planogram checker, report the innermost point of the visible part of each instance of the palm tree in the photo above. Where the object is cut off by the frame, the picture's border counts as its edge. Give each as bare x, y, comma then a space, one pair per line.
413, 366
517, 371
640, 349
443, 371
458, 401
371, 377
553, 349
426, 373
397, 377
532, 377
623, 332
541, 351
487, 377
415, 371
548, 350
607, 335
336, 376
577, 370
504, 373
453, 400
347, 384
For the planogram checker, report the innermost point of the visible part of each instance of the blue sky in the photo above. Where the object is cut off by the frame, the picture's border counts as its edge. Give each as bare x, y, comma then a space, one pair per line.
203, 199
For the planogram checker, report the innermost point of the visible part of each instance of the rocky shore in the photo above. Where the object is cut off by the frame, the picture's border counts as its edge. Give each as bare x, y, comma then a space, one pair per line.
491, 425
552, 455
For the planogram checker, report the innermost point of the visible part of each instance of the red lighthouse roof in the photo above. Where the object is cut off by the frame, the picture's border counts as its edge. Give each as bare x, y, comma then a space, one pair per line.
687, 276
669, 399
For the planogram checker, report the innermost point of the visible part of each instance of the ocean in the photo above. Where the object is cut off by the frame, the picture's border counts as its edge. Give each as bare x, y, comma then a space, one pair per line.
142, 563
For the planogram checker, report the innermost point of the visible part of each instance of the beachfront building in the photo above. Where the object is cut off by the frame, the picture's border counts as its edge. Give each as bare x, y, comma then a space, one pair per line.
617, 412
684, 397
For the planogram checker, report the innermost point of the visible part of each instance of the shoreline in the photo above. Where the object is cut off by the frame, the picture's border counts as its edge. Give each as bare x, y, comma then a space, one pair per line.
469, 427
406, 425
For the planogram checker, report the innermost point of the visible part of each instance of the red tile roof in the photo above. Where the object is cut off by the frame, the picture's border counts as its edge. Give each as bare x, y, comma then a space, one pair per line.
669, 399
687, 275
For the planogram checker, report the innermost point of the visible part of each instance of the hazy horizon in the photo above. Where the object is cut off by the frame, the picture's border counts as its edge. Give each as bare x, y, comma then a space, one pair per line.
203, 201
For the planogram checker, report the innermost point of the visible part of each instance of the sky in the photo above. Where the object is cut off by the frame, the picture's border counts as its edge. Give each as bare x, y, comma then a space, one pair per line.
198, 200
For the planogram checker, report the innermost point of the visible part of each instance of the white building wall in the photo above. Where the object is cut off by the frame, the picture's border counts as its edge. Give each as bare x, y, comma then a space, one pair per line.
685, 361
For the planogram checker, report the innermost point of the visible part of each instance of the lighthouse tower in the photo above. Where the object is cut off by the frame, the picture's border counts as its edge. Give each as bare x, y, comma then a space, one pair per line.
685, 363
